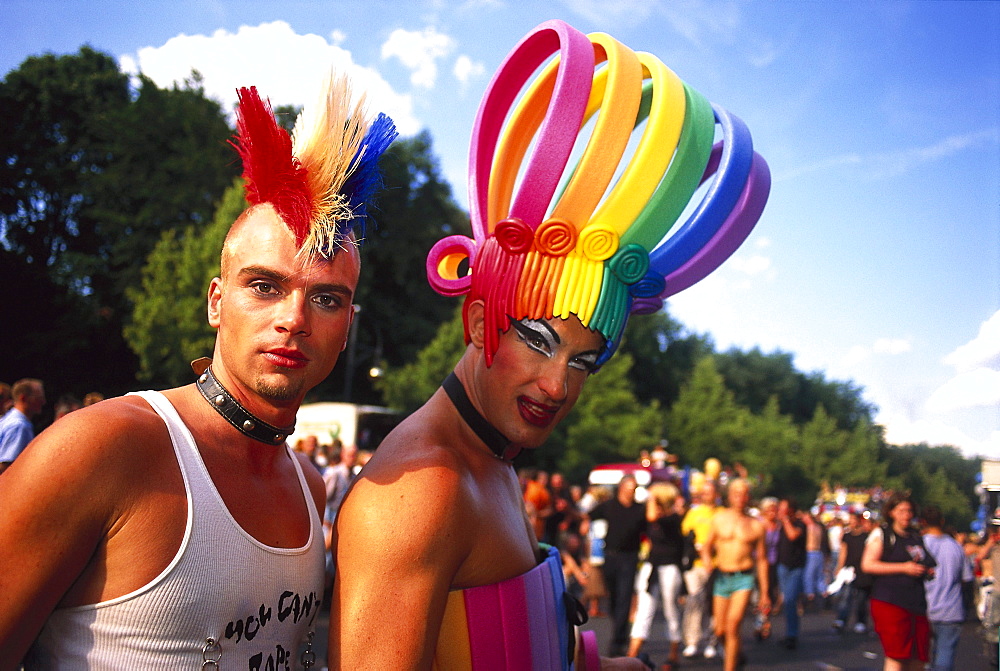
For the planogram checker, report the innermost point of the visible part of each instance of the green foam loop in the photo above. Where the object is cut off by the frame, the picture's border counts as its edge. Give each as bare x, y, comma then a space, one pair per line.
682, 177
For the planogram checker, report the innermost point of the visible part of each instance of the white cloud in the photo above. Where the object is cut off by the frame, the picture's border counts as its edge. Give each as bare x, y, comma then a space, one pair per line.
981, 351
891, 346
338, 37
860, 353
902, 430
286, 67
465, 70
977, 379
979, 387
895, 163
856, 355
419, 52
753, 265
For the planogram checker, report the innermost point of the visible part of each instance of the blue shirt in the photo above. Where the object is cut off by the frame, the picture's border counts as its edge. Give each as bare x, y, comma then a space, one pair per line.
15, 433
944, 591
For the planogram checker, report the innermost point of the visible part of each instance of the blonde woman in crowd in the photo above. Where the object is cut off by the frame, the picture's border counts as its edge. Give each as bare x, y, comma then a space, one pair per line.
660, 574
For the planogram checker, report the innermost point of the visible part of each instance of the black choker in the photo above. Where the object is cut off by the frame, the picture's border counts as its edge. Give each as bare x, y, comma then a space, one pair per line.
237, 415
496, 441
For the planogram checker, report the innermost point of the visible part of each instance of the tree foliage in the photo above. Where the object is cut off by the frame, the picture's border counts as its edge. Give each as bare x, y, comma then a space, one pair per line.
400, 313
607, 424
169, 326
92, 173
409, 386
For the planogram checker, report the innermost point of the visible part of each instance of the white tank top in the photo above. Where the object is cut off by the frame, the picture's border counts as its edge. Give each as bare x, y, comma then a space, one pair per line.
225, 597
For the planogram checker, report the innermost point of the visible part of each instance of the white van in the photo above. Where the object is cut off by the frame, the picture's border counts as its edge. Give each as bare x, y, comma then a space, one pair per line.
362, 425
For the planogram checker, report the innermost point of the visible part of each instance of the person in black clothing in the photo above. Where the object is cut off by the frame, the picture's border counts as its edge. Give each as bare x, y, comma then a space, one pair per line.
626, 520
791, 565
660, 575
853, 595
896, 556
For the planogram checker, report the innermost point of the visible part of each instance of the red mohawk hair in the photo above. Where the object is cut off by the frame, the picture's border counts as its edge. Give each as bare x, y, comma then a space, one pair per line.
272, 174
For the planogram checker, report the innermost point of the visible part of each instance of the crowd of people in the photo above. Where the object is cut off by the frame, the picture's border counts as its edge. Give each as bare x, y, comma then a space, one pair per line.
184, 532
709, 561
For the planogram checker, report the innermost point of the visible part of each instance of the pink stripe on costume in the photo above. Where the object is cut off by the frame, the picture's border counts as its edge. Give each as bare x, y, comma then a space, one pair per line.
514, 615
515, 625
485, 622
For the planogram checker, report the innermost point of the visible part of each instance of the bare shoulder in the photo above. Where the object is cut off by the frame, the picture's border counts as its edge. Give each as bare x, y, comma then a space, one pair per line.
114, 434
414, 490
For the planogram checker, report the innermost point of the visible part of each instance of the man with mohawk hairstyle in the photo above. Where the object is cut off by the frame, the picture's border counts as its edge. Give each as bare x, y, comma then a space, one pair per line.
182, 532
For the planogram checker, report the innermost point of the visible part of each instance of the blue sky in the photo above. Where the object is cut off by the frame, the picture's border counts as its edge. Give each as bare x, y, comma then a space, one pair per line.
877, 259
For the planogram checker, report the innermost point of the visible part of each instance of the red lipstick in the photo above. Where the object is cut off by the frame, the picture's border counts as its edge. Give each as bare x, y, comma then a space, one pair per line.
286, 358
535, 413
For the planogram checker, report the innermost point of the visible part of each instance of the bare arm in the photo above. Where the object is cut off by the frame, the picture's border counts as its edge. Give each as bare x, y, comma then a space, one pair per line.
399, 544
792, 532
871, 562
841, 558
652, 510
708, 546
763, 576
65, 496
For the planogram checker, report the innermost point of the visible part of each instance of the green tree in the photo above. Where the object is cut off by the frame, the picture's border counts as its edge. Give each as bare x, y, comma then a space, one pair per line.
705, 421
769, 446
754, 377
170, 167
169, 326
52, 109
664, 355
400, 313
607, 424
91, 174
822, 441
407, 387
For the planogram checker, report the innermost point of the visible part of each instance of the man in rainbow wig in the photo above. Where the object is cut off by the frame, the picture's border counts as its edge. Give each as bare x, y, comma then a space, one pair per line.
437, 567
178, 530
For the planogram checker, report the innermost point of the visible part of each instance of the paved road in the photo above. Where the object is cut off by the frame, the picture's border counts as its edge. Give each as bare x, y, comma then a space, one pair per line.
819, 647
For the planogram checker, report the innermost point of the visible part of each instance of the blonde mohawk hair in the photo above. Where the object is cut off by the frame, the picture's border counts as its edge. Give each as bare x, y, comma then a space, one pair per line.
322, 178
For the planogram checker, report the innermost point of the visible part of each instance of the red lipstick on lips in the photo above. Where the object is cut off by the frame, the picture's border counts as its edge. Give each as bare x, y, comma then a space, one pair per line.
535, 413
287, 358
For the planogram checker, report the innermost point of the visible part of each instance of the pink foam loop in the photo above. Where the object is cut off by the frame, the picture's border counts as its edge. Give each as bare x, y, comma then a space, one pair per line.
557, 133
730, 235
443, 261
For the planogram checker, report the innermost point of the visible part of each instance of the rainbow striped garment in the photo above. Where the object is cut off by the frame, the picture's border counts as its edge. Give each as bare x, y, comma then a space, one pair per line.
518, 624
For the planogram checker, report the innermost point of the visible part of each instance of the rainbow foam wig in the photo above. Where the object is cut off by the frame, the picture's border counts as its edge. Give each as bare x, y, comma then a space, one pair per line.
577, 240
322, 177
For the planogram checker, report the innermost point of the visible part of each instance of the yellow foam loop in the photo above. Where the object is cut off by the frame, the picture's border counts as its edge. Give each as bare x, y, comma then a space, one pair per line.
579, 288
682, 178
567, 282
616, 90
654, 152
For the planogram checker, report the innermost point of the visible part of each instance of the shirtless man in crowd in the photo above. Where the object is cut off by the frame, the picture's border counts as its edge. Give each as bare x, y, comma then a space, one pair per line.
737, 542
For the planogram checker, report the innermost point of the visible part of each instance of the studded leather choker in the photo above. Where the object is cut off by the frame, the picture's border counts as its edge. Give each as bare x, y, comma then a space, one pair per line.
496, 441
237, 415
